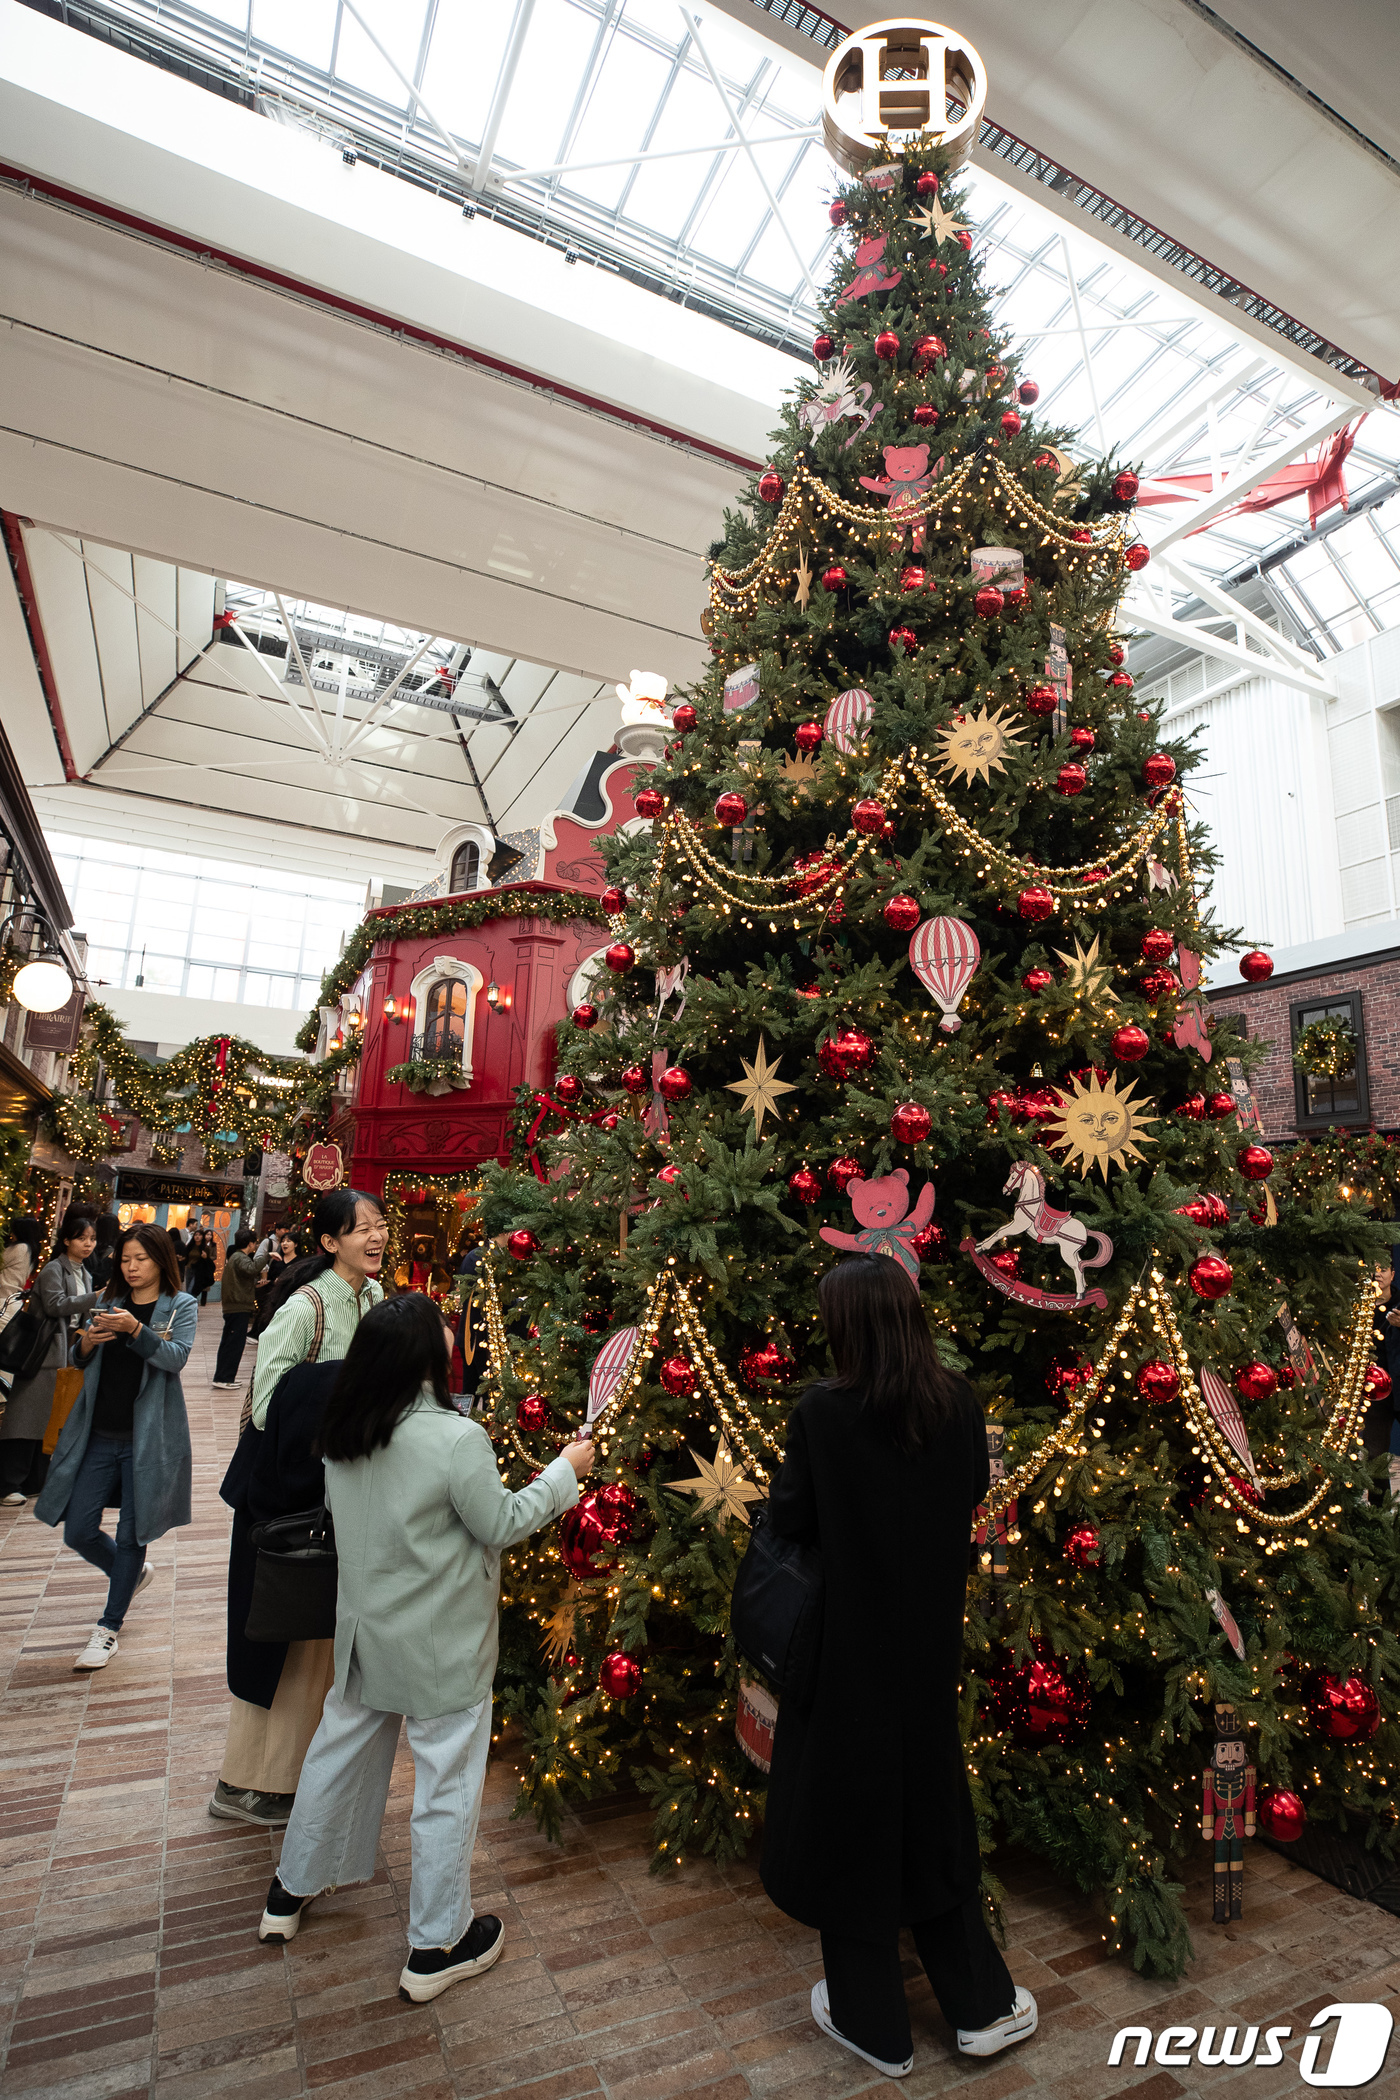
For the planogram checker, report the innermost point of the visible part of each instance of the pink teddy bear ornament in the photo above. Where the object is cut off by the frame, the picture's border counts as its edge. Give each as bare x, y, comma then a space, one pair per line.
872, 275
879, 1207
907, 474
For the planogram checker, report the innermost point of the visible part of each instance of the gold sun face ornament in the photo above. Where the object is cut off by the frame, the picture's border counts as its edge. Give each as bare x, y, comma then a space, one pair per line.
1101, 1126
975, 745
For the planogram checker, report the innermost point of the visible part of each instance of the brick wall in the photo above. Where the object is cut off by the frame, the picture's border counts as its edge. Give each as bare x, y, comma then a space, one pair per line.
1265, 1008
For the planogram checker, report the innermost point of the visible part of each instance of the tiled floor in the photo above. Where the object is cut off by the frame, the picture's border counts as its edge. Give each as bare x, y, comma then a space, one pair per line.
129, 1966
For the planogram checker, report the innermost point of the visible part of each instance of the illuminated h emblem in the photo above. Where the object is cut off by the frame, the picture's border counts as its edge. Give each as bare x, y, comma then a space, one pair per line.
896, 78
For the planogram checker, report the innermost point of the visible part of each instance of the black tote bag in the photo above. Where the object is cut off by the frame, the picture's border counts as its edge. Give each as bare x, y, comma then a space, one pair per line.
775, 1612
295, 1578
24, 1342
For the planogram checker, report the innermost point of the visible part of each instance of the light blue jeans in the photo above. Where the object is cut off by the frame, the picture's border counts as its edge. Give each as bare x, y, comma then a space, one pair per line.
333, 1836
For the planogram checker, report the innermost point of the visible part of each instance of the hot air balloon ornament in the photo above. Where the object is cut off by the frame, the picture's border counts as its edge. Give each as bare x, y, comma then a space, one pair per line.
847, 720
943, 954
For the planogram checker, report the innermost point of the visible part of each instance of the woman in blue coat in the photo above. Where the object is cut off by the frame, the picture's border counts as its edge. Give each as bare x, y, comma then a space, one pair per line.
126, 1443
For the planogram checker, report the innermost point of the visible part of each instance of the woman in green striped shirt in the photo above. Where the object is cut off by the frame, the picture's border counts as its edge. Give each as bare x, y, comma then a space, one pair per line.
267, 1742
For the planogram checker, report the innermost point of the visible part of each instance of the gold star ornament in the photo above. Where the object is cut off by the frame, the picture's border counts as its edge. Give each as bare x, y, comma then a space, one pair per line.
721, 1485
760, 1087
1083, 970
974, 745
1101, 1126
803, 592
931, 218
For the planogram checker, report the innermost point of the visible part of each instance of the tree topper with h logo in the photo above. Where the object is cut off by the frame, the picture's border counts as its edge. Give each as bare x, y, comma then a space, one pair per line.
896, 79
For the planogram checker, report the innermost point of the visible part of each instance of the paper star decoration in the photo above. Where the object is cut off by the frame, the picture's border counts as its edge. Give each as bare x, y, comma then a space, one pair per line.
804, 579
720, 1485
975, 744
1101, 1126
932, 218
1085, 972
759, 1088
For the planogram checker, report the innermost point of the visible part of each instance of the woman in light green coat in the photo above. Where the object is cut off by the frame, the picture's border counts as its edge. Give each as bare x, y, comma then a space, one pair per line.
421, 1518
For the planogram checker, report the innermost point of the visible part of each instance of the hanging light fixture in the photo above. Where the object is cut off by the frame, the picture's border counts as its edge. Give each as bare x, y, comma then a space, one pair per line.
42, 983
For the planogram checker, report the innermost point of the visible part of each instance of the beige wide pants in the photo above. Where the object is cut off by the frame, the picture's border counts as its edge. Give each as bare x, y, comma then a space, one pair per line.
267, 1744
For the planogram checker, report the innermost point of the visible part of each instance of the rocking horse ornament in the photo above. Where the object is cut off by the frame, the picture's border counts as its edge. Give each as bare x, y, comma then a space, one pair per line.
1060, 1229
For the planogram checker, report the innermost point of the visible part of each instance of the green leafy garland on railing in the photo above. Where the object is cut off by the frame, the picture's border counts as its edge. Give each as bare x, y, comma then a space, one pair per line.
418, 1074
408, 922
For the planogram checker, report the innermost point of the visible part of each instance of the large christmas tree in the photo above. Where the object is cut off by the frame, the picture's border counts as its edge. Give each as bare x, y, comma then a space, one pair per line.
907, 955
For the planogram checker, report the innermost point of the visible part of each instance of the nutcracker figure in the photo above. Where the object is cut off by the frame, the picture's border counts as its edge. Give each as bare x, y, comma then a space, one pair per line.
992, 1530
1227, 1810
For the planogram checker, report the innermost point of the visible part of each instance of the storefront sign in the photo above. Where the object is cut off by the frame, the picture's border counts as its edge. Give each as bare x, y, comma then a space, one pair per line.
157, 1188
56, 1031
324, 1168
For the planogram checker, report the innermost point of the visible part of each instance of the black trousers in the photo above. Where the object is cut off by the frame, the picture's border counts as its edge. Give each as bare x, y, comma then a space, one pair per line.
231, 1342
865, 1985
23, 1466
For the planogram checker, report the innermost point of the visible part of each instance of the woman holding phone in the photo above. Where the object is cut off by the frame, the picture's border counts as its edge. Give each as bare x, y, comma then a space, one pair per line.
126, 1443
63, 1293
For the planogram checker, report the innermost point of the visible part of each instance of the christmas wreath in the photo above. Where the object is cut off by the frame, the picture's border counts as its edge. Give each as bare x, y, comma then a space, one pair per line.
1326, 1049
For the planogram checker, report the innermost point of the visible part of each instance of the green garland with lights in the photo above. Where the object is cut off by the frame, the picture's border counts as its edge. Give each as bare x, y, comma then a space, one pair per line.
81, 1129
409, 922
189, 1085
419, 1074
1326, 1049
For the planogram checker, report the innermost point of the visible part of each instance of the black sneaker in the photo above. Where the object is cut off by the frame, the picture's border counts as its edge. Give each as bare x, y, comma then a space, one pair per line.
432, 1970
233, 1804
281, 1918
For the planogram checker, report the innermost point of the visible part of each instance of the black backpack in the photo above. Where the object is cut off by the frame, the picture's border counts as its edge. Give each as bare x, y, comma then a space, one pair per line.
775, 1613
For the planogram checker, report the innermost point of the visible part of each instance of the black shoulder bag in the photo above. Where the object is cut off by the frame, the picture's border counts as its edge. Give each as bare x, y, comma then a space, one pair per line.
294, 1583
775, 1613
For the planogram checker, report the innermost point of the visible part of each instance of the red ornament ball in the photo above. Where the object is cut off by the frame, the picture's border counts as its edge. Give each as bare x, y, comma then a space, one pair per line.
1130, 1042
998, 1101
1008, 1262
965, 241
1159, 768
1121, 681
677, 1376
805, 1186
1210, 1277
1256, 1381
635, 1079
730, 810
1037, 980
887, 345
927, 350
1125, 487
1011, 424
1137, 556
1081, 1547
1256, 966
1035, 904
764, 1362
910, 1123
913, 578
902, 914
925, 414
619, 957
853, 1049
828, 1061
836, 212
684, 718
583, 1535
1082, 739
649, 803
927, 184
842, 1172
1157, 983
1158, 1381
620, 1676
1157, 945
989, 601
1218, 1106
1028, 393
568, 1088
1255, 1162
834, 578
868, 817
1042, 699
522, 1244
1071, 779
585, 1016
822, 347
1116, 653
669, 1173
904, 638
771, 486
808, 735
931, 1244
532, 1415
1282, 1815
1287, 1377
1342, 1709
674, 1084
1378, 1383
1041, 1701
1193, 1108
613, 900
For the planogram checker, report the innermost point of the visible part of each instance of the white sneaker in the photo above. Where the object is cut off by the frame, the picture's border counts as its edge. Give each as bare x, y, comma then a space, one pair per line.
147, 1576
821, 2013
1015, 2026
101, 1647
14, 1500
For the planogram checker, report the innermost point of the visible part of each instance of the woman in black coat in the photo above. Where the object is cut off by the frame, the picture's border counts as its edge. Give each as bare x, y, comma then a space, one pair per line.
870, 1824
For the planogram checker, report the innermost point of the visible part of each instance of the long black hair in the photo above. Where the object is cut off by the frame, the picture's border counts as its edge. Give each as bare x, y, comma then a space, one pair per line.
161, 1249
74, 1223
399, 1347
26, 1232
874, 1320
334, 1215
